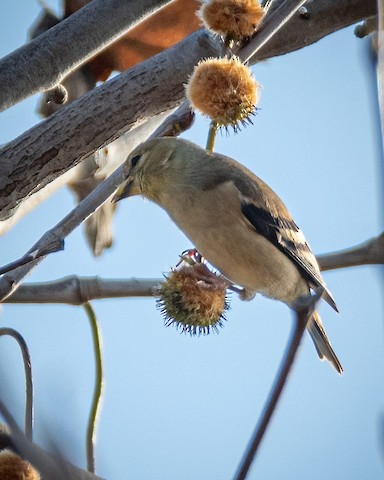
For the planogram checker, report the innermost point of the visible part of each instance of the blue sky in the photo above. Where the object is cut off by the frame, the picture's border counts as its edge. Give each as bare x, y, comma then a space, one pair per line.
180, 407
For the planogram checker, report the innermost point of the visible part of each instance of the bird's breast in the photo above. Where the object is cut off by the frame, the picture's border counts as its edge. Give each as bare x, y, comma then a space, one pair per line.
228, 241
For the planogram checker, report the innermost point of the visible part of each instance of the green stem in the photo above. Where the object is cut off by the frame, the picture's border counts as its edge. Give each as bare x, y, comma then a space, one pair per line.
28, 378
92, 420
211, 136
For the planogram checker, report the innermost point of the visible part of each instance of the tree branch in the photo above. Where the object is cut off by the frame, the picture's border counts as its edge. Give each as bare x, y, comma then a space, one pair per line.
48, 150
43, 62
109, 159
53, 240
74, 290
370, 252
302, 314
52, 147
323, 18
278, 17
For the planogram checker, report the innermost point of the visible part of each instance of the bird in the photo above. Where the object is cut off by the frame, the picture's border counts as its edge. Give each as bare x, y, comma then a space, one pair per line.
234, 219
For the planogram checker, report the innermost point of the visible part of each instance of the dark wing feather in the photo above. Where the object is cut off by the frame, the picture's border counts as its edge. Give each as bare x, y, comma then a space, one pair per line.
270, 219
287, 237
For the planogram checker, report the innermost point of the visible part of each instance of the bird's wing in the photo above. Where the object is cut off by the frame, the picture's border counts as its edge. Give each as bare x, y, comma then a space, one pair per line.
288, 238
268, 216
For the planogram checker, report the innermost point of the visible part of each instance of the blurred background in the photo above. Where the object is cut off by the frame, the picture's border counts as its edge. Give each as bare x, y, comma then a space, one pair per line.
176, 406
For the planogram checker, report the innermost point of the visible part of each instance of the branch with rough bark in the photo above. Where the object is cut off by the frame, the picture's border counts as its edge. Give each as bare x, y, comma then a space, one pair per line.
48, 150
72, 134
74, 290
43, 62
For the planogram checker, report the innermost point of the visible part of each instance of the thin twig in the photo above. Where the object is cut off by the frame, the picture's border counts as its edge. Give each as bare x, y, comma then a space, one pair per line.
274, 20
92, 420
75, 290
176, 123
28, 419
302, 316
51, 244
9, 282
370, 252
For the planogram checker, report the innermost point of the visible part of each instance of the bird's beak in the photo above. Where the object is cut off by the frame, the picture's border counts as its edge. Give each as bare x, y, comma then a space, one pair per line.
124, 191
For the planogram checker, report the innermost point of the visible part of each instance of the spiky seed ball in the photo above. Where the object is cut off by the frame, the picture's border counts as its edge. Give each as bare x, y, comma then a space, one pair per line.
12, 467
233, 19
194, 299
224, 90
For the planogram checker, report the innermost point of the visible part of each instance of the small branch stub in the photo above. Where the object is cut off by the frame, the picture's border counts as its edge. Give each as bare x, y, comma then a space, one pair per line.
57, 95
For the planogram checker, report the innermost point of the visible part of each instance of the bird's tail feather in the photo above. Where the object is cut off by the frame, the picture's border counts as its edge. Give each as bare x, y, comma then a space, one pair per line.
322, 344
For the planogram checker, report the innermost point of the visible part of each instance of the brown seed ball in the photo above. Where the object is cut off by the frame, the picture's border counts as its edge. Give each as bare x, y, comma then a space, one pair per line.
224, 90
235, 19
12, 467
194, 299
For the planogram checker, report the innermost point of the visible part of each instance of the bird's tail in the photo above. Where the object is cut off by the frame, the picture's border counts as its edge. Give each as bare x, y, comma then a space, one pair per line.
322, 344
98, 228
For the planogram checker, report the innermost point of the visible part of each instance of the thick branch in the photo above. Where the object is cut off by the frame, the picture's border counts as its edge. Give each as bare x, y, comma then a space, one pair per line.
45, 61
324, 18
110, 157
48, 150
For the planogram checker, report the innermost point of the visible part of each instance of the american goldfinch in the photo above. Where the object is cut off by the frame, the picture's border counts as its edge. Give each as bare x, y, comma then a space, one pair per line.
234, 220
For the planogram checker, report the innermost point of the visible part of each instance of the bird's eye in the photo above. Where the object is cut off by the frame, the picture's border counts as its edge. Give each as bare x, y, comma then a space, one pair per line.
135, 160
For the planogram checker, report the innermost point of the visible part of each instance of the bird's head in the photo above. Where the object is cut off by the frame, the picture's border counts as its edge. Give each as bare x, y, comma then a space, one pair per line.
145, 169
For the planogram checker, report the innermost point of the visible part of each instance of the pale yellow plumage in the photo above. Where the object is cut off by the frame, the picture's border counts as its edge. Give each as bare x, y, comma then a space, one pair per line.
234, 219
